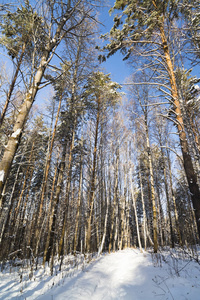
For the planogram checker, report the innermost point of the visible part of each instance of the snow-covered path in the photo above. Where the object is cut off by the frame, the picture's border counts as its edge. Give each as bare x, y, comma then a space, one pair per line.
114, 276
126, 274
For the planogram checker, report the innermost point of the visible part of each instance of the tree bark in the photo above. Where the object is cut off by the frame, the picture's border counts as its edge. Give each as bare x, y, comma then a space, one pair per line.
187, 160
93, 181
78, 200
155, 228
14, 140
52, 220
135, 208
9, 94
46, 171
113, 213
144, 211
105, 227
174, 201
69, 173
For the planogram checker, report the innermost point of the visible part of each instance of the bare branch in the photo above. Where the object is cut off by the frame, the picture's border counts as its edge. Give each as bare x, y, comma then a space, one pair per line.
147, 83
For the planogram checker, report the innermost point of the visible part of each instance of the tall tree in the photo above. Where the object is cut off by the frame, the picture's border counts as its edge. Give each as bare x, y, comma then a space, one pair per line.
146, 26
19, 30
101, 94
62, 20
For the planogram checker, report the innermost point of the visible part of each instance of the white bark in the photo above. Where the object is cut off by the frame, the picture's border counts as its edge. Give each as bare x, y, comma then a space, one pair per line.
105, 227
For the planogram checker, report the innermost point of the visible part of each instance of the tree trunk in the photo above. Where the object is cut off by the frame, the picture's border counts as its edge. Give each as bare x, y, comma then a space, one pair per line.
14, 140
46, 171
155, 229
52, 221
174, 200
78, 200
93, 181
122, 210
64, 223
168, 202
135, 210
116, 233
144, 211
5, 217
9, 94
113, 213
105, 227
187, 160
25, 181
134, 201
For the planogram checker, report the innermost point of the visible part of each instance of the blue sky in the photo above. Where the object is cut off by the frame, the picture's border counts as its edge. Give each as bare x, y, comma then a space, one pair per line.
115, 64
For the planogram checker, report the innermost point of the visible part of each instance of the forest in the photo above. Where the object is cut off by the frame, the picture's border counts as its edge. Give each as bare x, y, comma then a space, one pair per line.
87, 164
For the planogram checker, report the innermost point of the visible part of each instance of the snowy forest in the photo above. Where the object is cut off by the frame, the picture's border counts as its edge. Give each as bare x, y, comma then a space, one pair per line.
87, 164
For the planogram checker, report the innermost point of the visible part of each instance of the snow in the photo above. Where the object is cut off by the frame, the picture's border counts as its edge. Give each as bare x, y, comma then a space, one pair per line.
127, 274
190, 101
54, 39
16, 133
2, 175
31, 91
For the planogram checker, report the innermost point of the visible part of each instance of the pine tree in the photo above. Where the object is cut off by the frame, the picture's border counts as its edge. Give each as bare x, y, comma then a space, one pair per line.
55, 30
144, 25
22, 35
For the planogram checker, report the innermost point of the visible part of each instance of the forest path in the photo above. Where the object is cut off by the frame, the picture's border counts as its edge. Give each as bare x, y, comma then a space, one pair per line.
127, 274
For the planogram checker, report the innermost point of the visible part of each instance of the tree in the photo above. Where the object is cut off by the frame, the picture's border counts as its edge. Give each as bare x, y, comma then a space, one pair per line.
190, 11
145, 26
77, 54
134, 202
56, 28
27, 171
19, 32
101, 94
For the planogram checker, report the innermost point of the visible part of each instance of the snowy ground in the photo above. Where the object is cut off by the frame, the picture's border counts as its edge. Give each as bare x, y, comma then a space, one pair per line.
126, 274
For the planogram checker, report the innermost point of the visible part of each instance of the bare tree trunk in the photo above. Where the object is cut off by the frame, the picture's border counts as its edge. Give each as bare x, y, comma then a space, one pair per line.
9, 94
135, 212
93, 181
155, 229
46, 171
128, 235
5, 218
64, 223
78, 200
160, 216
116, 233
174, 200
168, 205
55, 177
187, 160
113, 213
18, 220
144, 211
52, 221
14, 140
134, 201
25, 181
105, 226
122, 218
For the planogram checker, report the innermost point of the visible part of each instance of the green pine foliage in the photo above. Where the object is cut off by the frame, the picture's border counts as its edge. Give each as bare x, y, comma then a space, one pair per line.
138, 23
22, 27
